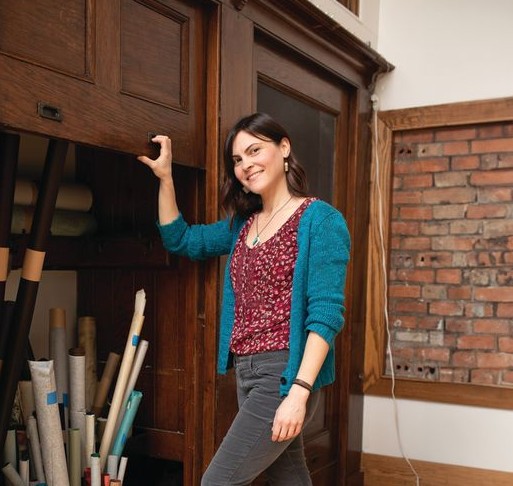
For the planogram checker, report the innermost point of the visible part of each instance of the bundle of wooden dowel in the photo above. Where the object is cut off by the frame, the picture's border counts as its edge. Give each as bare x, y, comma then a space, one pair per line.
68, 441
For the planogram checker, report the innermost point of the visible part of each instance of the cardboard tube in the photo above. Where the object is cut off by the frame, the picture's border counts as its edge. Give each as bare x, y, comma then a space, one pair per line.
102, 390
35, 449
75, 454
33, 265
77, 381
12, 475
87, 341
124, 373
123, 461
11, 448
27, 399
4, 264
90, 444
95, 470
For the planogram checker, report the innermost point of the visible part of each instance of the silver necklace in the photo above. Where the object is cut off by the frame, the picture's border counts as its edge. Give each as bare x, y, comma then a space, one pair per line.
256, 241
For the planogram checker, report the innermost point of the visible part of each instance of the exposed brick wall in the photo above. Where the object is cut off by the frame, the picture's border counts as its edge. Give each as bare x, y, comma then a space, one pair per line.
451, 261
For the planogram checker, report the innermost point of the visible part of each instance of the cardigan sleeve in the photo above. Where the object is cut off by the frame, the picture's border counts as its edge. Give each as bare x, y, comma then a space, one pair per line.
199, 241
327, 268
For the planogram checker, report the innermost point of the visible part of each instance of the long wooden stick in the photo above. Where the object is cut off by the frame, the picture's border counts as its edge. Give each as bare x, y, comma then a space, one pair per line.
29, 281
9, 148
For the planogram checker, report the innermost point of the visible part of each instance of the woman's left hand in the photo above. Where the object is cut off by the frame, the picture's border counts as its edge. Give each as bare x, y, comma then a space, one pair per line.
290, 415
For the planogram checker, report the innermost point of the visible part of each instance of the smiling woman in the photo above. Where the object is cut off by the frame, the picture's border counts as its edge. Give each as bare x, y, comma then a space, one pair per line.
283, 296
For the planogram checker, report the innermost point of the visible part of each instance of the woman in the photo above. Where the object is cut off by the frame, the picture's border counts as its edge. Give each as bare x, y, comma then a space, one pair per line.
283, 296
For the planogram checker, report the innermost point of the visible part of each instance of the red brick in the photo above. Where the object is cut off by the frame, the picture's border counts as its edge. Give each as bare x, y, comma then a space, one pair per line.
417, 275
484, 377
422, 180
430, 323
410, 306
483, 211
424, 166
507, 377
492, 178
451, 179
444, 134
449, 211
453, 375
505, 310
452, 195
446, 308
453, 243
494, 360
495, 326
441, 355
465, 162
416, 212
507, 257
490, 131
404, 291
407, 197
464, 359
429, 150
465, 227
436, 292
496, 228
405, 228
505, 161
448, 276
459, 293
478, 309
458, 325
494, 294
412, 243
434, 228
456, 148
433, 259
493, 145
422, 135
476, 342
506, 344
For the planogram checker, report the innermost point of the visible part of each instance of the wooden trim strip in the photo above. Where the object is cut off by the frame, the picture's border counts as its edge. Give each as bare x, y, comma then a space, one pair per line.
394, 471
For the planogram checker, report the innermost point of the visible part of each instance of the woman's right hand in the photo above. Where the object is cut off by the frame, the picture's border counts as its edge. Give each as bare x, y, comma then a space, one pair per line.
161, 166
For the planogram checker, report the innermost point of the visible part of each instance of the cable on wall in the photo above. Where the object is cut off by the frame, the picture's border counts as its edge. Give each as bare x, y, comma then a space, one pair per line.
375, 136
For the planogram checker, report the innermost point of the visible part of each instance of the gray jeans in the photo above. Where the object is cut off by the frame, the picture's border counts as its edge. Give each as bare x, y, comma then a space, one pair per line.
247, 449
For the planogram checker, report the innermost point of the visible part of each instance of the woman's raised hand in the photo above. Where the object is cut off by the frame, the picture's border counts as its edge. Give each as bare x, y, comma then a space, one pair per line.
161, 166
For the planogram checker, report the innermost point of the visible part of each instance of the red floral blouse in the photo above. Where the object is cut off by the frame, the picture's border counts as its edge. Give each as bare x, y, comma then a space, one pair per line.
262, 280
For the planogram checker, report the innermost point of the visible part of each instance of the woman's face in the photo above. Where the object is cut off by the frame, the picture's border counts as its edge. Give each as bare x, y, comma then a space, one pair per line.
258, 164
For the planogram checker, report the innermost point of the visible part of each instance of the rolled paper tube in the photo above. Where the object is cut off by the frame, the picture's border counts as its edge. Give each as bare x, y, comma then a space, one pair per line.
4, 264
126, 424
33, 265
27, 399
35, 448
90, 448
102, 390
47, 410
78, 419
140, 354
112, 466
95, 470
75, 454
77, 395
25, 471
124, 373
115, 482
11, 448
87, 341
59, 354
105, 479
123, 460
12, 475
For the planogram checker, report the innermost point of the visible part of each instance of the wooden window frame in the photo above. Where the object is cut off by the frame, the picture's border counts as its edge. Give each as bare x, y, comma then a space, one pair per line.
375, 382
351, 5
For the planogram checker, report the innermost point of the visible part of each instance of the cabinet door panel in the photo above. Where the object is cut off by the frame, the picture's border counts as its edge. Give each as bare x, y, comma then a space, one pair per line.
108, 73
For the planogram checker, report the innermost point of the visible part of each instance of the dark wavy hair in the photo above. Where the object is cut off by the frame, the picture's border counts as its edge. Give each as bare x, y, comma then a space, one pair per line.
233, 199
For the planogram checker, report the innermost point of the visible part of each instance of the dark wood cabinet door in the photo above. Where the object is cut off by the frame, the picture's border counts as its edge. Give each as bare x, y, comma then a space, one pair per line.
106, 73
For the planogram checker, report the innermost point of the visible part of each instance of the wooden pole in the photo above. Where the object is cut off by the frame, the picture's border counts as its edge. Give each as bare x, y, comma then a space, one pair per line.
9, 147
29, 281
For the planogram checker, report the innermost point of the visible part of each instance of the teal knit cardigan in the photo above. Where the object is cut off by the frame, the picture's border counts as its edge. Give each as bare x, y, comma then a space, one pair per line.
317, 284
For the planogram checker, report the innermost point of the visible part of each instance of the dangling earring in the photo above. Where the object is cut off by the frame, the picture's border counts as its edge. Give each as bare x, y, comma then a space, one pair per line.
286, 165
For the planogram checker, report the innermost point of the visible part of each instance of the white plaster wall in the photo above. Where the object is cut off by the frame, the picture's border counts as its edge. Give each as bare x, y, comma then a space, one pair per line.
444, 51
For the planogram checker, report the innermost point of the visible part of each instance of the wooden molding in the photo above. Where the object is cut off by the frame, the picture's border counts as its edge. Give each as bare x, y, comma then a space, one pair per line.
385, 124
394, 471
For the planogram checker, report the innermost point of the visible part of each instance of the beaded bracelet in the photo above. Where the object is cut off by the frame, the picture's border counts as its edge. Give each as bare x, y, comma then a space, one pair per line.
304, 384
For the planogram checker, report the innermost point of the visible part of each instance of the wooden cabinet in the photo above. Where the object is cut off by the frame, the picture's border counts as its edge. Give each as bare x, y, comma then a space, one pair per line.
105, 72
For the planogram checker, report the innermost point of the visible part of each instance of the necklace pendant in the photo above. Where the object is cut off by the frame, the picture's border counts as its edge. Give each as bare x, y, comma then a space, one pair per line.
256, 241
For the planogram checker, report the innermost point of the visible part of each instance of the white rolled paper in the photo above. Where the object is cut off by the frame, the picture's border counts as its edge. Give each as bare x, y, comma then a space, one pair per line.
35, 449
140, 354
122, 468
77, 397
112, 466
59, 354
90, 444
47, 410
10, 449
96, 474
124, 373
25, 471
12, 475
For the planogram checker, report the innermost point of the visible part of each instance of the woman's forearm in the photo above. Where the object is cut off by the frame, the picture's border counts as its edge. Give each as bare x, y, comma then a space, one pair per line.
315, 353
168, 208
